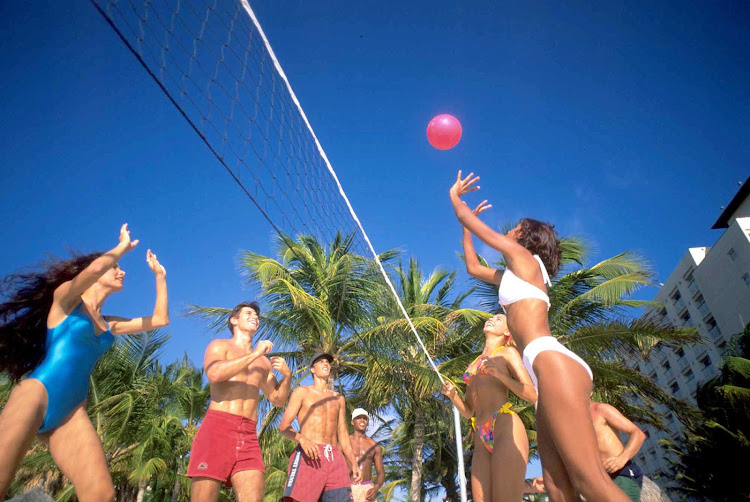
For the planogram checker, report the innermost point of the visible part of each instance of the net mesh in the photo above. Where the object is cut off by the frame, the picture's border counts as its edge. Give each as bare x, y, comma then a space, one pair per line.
212, 61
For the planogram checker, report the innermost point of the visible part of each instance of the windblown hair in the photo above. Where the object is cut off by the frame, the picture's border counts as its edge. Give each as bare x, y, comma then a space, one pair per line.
541, 239
26, 300
236, 311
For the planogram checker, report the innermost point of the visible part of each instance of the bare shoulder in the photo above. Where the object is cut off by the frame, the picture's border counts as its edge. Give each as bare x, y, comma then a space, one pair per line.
509, 352
217, 347
599, 410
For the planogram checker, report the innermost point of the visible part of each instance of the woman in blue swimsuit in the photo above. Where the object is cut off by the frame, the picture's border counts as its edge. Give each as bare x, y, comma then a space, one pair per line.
51, 402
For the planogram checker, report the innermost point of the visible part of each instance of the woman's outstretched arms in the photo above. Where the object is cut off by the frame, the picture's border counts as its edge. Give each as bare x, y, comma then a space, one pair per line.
160, 317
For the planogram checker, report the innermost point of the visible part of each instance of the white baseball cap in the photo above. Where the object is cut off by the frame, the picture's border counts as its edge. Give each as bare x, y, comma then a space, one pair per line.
358, 412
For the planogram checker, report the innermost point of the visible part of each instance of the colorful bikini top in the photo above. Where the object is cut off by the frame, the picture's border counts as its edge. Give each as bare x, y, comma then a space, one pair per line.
513, 288
474, 368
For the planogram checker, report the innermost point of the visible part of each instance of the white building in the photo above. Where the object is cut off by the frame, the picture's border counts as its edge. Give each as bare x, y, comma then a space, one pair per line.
709, 289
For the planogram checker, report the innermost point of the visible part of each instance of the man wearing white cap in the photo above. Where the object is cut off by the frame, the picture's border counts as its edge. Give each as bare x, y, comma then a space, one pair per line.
367, 452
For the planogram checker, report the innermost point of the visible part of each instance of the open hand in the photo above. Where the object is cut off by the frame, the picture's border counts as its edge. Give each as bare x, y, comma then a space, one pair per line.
483, 206
125, 241
464, 186
490, 366
156, 267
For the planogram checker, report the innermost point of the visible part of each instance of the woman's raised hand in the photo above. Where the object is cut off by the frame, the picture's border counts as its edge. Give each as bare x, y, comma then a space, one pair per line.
483, 206
464, 186
125, 243
156, 267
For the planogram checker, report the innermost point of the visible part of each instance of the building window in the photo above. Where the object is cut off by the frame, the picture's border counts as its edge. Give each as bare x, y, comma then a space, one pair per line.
710, 322
676, 296
706, 361
732, 254
746, 278
689, 375
686, 319
652, 376
665, 365
680, 352
675, 388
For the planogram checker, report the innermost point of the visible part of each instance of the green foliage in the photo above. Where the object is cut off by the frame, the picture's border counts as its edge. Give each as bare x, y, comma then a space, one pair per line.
711, 452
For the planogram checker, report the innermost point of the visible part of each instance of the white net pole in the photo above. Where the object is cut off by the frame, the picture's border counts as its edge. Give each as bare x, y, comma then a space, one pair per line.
456, 415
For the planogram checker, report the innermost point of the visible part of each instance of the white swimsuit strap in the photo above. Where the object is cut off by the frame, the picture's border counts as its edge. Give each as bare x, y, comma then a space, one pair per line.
545, 275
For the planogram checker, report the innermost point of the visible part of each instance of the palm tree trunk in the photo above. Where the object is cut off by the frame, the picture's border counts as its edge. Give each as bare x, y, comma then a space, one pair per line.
176, 489
416, 464
142, 484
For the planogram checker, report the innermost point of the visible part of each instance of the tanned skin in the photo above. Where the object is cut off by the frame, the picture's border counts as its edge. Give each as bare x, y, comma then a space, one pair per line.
367, 452
237, 373
321, 414
608, 421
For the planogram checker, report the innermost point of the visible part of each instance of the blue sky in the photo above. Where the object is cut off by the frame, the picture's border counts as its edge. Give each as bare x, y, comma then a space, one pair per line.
626, 124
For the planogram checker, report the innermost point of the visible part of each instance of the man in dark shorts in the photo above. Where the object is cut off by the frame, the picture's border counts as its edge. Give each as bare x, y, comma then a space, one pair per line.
616, 458
226, 450
318, 468
367, 453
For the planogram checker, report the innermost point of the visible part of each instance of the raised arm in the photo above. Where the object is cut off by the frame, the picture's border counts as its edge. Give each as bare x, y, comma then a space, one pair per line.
346, 444
277, 392
514, 253
521, 385
473, 266
285, 426
160, 317
68, 294
464, 407
618, 421
218, 368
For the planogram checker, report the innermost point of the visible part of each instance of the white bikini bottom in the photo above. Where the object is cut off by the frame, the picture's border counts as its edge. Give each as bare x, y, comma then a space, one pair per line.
542, 344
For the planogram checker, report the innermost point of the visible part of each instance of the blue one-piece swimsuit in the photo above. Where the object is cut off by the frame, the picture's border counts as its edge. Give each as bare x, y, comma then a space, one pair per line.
73, 348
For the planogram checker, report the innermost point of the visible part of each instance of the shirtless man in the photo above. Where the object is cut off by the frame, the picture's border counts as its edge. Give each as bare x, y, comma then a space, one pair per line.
367, 452
317, 469
226, 449
616, 459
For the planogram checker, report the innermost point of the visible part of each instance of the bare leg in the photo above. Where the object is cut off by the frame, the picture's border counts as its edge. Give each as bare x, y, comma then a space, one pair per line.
556, 480
481, 472
509, 459
249, 485
19, 422
204, 490
78, 453
564, 390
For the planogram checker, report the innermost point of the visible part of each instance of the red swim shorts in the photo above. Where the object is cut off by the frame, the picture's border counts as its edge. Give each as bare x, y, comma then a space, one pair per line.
225, 444
325, 479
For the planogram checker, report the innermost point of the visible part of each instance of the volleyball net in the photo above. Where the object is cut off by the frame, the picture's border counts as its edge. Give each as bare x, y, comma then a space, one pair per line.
213, 61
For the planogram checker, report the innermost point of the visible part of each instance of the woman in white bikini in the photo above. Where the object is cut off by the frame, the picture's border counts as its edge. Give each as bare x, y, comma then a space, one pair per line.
565, 433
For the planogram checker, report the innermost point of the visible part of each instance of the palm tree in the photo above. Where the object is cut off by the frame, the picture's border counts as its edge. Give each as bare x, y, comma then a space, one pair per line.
395, 371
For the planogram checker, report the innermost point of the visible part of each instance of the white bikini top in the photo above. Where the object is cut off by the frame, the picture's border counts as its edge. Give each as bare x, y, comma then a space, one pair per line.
513, 288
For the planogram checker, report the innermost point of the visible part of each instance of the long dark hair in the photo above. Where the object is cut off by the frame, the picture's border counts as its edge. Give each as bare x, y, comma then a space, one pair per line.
541, 239
26, 300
